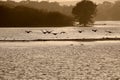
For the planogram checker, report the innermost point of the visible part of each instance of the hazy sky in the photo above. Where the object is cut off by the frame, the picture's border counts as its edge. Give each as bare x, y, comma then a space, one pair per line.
80, 0
97, 1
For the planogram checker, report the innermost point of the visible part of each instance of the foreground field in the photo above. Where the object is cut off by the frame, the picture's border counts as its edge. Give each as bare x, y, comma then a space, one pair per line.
60, 60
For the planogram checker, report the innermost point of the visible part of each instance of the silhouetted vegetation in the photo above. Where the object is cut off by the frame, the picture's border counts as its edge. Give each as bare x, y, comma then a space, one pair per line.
24, 16
84, 11
33, 13
44, 5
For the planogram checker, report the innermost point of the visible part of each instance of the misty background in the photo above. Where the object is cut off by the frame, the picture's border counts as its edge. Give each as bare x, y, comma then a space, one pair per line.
40, 13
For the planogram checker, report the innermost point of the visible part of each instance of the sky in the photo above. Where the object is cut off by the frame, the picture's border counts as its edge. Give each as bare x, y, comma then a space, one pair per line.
79, 0
97, 1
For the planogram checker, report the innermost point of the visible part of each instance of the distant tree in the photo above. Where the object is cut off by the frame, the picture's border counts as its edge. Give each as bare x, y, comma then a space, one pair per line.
84, 11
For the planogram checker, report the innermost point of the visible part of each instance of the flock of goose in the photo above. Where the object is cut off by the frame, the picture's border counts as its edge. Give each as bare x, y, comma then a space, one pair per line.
47, 32
63, 32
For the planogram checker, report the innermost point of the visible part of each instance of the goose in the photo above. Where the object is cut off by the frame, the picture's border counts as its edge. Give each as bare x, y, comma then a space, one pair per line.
109, 31
94, 30
80, 31
28, 31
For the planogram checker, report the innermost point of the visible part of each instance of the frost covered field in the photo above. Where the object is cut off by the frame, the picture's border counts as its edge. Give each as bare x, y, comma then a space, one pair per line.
35, 53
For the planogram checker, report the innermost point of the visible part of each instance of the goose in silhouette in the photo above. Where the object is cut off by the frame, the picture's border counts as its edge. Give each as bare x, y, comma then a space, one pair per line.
108, 31
54, 33
28, 31
46, 32
80, 31
62, 32
94, 30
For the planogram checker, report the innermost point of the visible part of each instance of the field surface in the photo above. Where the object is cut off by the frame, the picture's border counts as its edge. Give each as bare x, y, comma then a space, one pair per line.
60, 60
59, 33
66, 53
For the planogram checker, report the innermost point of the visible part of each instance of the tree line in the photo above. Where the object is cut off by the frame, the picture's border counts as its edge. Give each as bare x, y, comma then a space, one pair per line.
25, 16
105, 11
44, 5
33, 13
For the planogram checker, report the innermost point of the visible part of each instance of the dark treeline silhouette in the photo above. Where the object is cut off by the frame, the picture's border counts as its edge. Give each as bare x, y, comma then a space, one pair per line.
33, 13
105, 10
25, 16
44, 5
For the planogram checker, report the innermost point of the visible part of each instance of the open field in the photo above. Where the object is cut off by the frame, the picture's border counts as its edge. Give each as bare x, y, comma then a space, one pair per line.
64, 53
59, 33
99, 60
